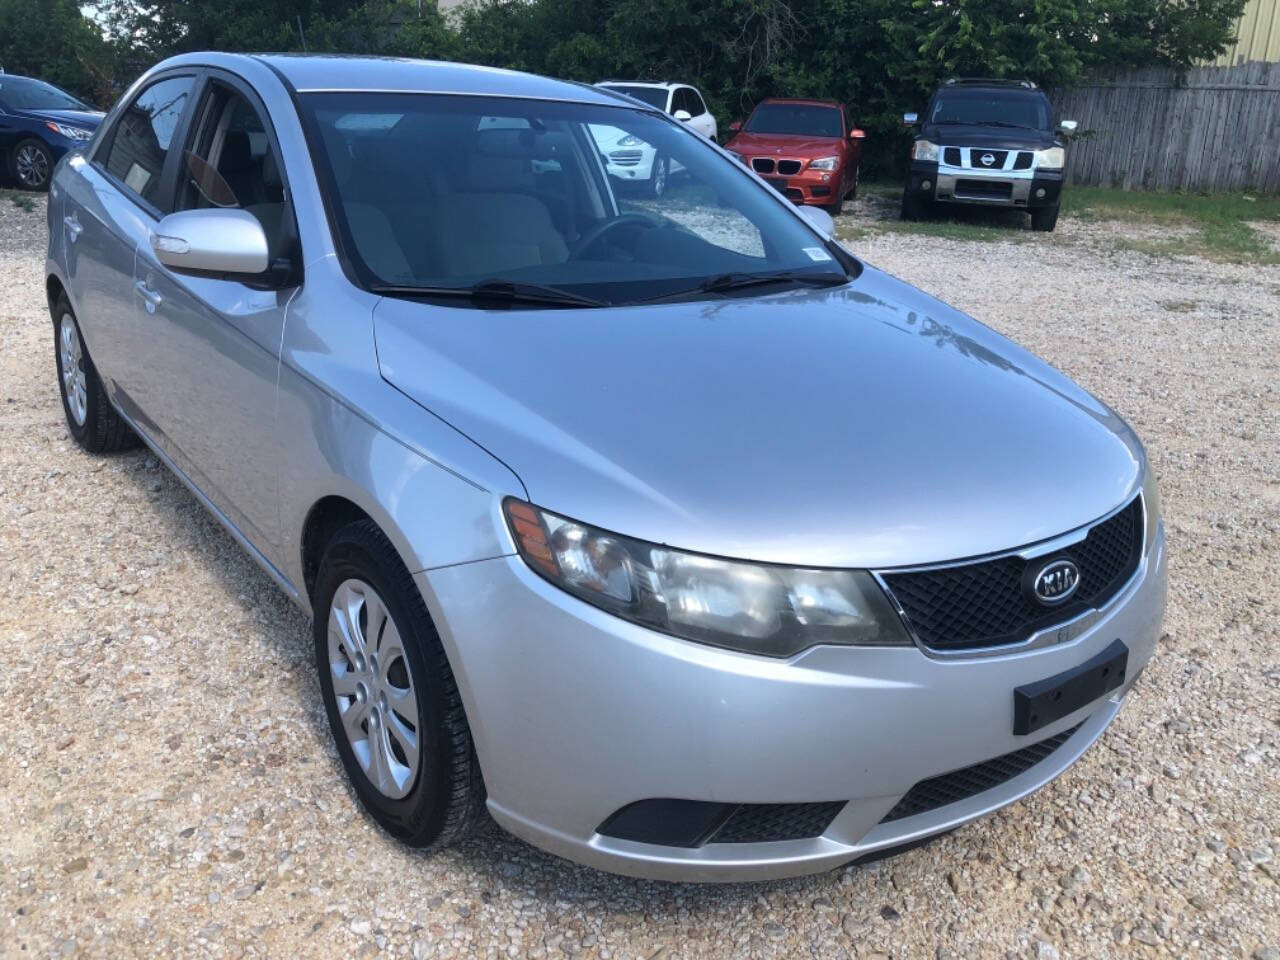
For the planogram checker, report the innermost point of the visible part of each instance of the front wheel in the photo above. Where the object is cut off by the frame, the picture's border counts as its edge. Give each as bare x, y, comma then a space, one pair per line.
1044, 219
390, 695
658, 177
913, 208
31, 164
853, 190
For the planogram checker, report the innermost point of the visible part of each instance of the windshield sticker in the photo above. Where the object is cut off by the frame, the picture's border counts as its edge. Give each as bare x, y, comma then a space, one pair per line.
817, 254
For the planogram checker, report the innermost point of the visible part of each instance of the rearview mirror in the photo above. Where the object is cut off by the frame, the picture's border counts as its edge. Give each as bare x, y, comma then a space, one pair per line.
226, 243
1068, 126
857, 134
910, 119
819, 219
735, 126
684, 116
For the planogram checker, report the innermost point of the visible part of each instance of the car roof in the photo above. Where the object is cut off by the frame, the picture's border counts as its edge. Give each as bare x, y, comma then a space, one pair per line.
801, 101
655, 84
343, 73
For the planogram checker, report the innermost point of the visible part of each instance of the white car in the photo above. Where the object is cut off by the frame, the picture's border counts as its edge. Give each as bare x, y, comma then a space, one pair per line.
631, 159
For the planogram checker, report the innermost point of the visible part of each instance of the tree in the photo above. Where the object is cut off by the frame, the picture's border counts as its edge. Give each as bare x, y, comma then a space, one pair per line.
52, 40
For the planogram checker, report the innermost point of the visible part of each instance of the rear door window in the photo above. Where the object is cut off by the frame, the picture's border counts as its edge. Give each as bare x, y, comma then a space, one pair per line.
142, 136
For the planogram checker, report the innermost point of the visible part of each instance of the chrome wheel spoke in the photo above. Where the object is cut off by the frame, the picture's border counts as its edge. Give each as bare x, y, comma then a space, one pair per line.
373, 688
71, 367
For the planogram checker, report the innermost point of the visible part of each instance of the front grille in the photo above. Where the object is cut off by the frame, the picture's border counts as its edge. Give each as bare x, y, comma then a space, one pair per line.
1023, 161
625, 158
985, 604
998, 158
969, 782
762, 164
770, 822
952, 156
984, 189
788, 168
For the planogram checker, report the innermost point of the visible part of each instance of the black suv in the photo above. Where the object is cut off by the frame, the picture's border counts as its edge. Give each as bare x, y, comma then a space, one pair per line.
988, 142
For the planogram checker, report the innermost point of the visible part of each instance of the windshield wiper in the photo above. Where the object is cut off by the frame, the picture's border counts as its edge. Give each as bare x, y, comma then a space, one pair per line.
728, 282
983, 123
494, 291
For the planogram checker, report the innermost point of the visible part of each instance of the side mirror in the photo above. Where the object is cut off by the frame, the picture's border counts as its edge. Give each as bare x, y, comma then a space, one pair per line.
684, 116
857, 134
910, 119
820, 220
1068, 126
228, 243
735, 127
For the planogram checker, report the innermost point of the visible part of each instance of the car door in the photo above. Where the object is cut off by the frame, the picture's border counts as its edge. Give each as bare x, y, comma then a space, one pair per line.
215, 343
703, 121
110, 204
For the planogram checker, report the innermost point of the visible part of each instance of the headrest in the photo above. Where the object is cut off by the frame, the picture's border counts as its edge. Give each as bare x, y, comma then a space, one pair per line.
236, 152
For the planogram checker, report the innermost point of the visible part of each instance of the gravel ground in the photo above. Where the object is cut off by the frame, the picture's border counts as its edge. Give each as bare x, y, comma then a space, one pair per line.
167, 785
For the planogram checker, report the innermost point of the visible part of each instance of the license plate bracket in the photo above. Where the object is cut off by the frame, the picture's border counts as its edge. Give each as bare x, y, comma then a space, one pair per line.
1039, 704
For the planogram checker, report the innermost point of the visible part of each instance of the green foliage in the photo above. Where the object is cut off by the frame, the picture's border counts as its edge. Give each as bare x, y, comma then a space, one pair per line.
52, 40
881, 57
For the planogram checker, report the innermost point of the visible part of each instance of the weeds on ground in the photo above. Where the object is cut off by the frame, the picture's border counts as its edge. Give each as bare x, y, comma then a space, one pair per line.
1221, 221
23, 201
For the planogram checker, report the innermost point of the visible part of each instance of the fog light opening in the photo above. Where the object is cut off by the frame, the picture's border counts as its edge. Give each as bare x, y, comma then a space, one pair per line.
926, 184
1040, 193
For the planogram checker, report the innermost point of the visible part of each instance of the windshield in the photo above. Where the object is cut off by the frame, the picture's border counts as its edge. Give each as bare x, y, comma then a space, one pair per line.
804, 120
653, 96
22, 93
614, 204
991, 107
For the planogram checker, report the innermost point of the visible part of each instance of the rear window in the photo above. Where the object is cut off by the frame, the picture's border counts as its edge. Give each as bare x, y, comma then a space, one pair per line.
653, 96
797, 119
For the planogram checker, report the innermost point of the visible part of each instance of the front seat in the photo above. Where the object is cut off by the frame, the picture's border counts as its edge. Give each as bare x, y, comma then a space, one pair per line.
490, 233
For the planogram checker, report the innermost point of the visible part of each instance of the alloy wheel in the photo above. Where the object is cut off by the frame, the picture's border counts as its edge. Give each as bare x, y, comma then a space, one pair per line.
660, 176
373, 686
32, 166
71, 364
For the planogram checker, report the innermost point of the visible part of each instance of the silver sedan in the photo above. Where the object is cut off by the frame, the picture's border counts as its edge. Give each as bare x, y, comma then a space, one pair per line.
661, 527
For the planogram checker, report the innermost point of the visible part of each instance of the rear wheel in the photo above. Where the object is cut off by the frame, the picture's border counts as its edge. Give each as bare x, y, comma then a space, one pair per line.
91, 420
389, 692
1044, 219
31, 164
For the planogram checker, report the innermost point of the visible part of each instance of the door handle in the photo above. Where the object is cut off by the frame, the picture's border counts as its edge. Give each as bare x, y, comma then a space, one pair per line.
74, 229
152, 298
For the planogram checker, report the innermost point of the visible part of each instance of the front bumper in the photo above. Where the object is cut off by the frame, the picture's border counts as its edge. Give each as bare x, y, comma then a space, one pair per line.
1021, 189
636, 165
576, 714
812, 187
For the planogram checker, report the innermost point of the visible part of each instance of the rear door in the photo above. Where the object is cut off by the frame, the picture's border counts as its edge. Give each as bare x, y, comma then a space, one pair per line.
214, 343
110, 205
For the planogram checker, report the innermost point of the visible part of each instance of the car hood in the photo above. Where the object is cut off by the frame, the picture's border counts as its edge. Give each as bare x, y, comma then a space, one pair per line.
866, 426
760, 144
998, 138
80, 118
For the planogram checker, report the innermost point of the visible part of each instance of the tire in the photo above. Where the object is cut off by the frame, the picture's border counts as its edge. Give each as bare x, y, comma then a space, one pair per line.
31, 164
436, 798
1044, 219
658, 177
853, 191
913, 208
835, 209
91, 420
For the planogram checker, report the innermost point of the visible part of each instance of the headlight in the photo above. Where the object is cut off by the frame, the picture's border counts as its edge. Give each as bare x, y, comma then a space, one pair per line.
924, 150
754, 608
71, 133
1052, 159
824, 163
631, 140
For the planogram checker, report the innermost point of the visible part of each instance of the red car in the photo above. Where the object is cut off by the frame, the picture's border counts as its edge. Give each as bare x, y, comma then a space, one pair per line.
807, 149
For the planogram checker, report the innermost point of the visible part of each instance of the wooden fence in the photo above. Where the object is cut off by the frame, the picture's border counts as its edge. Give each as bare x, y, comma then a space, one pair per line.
1216, 129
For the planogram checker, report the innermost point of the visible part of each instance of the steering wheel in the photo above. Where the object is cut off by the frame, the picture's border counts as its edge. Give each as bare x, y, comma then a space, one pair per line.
592, 236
